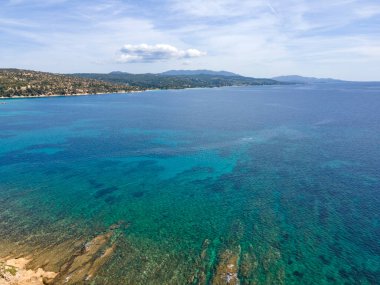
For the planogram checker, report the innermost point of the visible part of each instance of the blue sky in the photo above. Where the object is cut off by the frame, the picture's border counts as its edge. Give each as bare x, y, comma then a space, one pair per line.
261, 38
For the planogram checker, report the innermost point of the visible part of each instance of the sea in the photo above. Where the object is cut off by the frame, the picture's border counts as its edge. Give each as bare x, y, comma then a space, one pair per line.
236, 185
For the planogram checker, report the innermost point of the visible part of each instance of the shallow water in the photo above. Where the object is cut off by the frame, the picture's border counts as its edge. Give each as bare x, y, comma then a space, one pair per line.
287, 178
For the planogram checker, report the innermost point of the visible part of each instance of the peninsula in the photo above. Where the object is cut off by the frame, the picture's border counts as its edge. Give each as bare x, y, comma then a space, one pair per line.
27, 83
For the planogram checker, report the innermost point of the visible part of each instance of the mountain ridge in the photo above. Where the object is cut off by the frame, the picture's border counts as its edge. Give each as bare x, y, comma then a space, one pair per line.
160, 81
304, 79
198, 72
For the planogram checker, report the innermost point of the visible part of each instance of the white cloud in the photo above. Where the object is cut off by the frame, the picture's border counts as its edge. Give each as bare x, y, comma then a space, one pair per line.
218, 8
368, 11
152, 53
35, 2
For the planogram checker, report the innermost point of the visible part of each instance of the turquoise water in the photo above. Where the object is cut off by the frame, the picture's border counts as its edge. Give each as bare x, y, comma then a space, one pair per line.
285, 177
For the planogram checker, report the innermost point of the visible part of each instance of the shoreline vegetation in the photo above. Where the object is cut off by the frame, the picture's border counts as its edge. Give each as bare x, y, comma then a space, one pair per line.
17, 83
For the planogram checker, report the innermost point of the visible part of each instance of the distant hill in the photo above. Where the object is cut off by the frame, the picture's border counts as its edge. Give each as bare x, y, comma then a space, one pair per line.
118, 72
302, 79
18, 82
160, 81
198, 72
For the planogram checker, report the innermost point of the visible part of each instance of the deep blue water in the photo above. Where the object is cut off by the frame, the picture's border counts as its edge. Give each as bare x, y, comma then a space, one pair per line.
286, 177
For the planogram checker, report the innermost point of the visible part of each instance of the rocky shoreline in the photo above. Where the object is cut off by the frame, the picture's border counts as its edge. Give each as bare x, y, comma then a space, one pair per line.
14, 271
80, 266
221, 261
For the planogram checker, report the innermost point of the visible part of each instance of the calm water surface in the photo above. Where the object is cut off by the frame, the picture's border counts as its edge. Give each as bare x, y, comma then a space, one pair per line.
285, 178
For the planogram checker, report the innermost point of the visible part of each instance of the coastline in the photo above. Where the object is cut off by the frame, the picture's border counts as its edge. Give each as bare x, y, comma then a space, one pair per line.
126, 92
76, 94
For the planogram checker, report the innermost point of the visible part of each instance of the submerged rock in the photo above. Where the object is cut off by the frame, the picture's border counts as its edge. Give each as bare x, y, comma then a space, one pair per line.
85, 264
249, 270
119, 225
227, 268
201, 266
